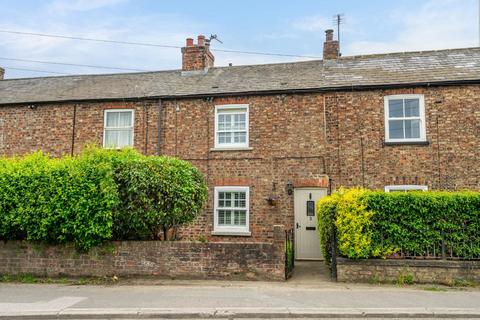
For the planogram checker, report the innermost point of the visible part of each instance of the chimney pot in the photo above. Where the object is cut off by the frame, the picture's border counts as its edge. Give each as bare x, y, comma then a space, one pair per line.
331, 48
201, 40
329, 35
197, 57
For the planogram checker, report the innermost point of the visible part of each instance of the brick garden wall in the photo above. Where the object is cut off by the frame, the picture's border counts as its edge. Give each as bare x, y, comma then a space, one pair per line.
420, 271
169, 259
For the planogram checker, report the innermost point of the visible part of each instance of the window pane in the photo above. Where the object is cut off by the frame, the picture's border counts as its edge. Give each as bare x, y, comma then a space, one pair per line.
221, 122
118, 138
124, 138
228, 217
232, 199
412, 128
239, 137
225, 217
224, 137
221, 216
221, 199
239, 121
240, 200
395, 129
240, 218
125, 119
227, 202
412, 108
232, 126
395, 108
407, 190
111, 137
112, 119
119, 119
224, 122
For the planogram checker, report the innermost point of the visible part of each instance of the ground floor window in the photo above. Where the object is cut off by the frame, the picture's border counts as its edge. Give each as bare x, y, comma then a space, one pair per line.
231, 210
405, 188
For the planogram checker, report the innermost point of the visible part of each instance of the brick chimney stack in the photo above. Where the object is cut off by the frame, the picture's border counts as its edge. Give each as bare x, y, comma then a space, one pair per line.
197, 56
331, 48
2, 73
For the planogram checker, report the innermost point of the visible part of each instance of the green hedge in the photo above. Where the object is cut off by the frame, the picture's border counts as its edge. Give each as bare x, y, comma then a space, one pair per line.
378, 224
98, 195
57, 201
326, 211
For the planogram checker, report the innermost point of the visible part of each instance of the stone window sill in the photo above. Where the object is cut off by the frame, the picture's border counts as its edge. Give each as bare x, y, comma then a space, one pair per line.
230, 149
408, 143
232, 233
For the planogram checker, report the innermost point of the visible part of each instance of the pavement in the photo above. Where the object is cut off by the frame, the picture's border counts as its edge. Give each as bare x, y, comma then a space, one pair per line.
303, 297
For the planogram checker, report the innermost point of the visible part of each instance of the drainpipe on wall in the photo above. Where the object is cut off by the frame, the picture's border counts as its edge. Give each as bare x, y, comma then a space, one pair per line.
145, 127
159, 127
74, 124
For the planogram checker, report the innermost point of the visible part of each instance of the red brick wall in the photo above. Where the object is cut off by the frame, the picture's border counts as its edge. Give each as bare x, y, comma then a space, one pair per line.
50, 127
298, 138
420, 271
164, 259
448, 162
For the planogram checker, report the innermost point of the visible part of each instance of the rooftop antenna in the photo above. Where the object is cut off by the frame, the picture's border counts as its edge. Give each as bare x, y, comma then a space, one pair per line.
339, 19
214, 37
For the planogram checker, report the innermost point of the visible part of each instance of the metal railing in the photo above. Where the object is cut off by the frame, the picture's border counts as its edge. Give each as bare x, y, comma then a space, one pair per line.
446, 246
289, 252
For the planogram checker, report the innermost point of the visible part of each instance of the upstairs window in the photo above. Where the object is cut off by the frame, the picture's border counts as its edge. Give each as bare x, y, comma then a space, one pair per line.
118, 129
405, 188
405, 118
231, 126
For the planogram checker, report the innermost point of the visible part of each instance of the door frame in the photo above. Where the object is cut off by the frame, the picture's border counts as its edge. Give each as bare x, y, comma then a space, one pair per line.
295, 221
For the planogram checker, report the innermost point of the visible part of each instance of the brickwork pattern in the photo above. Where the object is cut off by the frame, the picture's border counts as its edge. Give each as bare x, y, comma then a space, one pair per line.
294, 138
170, 259
58, 129
420, 271
197, 56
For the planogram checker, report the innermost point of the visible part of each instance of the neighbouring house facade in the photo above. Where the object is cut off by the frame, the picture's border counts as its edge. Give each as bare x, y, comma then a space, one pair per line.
269, 138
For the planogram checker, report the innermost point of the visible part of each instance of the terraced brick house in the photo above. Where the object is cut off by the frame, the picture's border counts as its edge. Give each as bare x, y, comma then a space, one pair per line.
270, 139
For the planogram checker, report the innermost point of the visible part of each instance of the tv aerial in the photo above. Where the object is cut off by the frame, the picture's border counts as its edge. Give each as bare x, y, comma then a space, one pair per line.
214, 37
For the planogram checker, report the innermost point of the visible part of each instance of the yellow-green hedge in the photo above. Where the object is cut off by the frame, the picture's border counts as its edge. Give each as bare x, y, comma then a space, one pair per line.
378, 224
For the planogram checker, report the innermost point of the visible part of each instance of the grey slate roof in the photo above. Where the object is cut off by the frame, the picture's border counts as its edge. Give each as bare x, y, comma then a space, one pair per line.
369, 70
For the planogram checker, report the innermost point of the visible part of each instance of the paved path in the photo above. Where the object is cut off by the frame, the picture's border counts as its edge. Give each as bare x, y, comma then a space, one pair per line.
201, 299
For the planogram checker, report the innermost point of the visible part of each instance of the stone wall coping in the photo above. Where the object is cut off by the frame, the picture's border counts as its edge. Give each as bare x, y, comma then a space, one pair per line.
125, 242
471, 264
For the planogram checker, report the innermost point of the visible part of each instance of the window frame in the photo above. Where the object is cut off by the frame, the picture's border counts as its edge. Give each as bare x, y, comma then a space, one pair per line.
421, 117
231, 230
106, 111
218, 109
408, 187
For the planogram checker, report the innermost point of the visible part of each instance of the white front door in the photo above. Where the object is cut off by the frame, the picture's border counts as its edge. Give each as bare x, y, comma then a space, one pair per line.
307, 243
